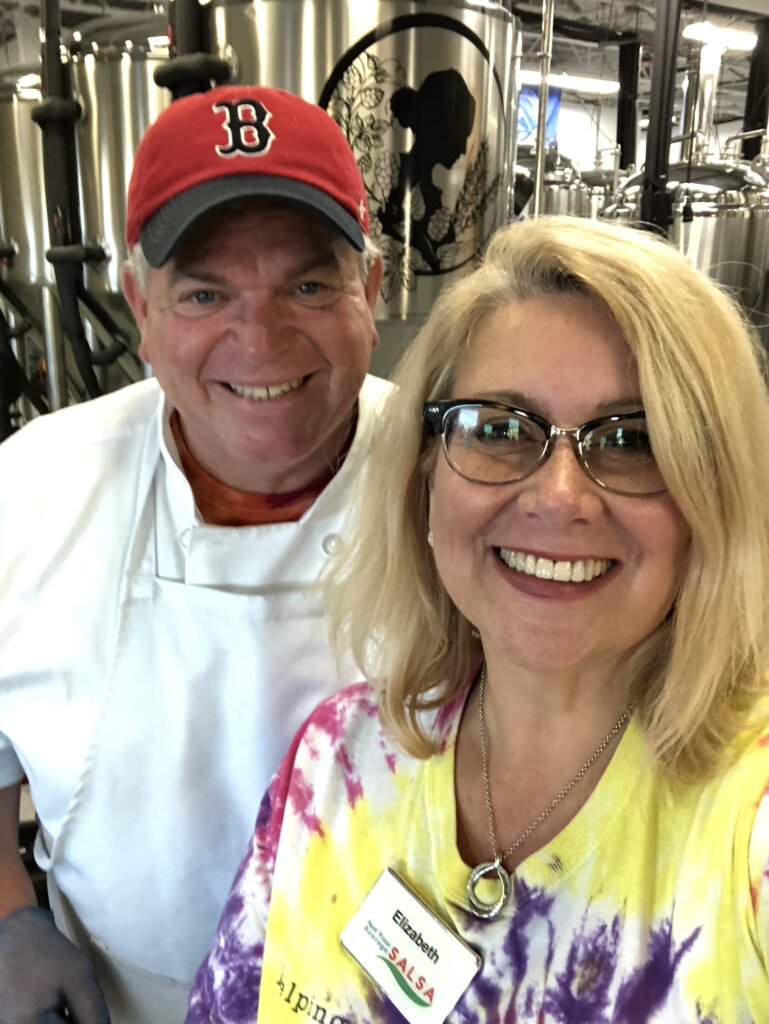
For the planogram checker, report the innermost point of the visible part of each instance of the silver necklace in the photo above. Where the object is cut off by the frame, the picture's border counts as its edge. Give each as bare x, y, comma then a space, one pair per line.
495, 866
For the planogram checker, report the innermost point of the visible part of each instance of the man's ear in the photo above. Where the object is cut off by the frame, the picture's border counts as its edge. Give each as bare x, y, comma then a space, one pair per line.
137, 300
134, 294
374, 282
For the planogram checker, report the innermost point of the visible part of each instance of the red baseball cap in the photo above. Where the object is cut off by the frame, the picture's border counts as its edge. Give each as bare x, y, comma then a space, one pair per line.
240, 141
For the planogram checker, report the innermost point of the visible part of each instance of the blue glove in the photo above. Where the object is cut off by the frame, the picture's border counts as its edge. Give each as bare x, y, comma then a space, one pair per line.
42, 973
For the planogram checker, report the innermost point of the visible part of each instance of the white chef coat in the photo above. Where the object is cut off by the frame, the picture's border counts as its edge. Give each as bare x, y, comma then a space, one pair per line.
152, 672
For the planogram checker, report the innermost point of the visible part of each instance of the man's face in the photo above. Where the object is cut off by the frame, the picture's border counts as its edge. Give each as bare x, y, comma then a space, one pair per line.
260, 331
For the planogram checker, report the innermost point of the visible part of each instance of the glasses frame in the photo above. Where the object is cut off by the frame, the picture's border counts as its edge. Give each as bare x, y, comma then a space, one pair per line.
436, 413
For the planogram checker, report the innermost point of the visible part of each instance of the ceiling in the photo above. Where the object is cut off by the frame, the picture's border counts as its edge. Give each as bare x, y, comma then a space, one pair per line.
599, 59
19, 39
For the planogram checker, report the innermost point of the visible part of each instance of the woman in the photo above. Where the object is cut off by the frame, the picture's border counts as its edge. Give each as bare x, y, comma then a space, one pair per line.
563, 748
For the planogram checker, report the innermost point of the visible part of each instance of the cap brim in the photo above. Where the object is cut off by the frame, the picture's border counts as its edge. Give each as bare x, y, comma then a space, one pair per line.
164, 229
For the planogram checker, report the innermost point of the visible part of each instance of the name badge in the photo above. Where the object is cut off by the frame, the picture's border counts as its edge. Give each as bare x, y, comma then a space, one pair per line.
419, 963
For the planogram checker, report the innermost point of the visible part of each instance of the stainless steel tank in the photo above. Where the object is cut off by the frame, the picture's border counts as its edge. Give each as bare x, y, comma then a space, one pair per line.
563, 191
720, 223
603, 182
119, 100
24, 224
425, 93
22, 197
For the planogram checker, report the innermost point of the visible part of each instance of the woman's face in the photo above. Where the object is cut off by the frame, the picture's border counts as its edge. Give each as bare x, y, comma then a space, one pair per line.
562, 357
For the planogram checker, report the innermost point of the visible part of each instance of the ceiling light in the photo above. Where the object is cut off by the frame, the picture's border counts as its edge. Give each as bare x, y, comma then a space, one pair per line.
30, 81
570, 83
158, 43
714, 35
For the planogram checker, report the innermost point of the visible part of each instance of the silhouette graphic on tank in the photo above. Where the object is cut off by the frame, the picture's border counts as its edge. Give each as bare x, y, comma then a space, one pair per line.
440, 114
434, 200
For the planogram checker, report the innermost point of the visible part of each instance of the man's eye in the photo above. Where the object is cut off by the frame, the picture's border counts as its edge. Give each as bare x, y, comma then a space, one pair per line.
309, 288
202, 296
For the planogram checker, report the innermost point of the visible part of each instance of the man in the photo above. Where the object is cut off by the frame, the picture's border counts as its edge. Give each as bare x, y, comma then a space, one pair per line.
161, 633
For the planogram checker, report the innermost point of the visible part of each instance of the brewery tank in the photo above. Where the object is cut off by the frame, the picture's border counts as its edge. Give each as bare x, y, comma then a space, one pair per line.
22, 202
424, 91
720, 223
119, 99
27, 277
563, 191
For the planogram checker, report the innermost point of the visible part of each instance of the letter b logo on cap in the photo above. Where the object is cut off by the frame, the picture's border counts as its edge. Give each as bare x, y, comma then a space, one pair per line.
246, 124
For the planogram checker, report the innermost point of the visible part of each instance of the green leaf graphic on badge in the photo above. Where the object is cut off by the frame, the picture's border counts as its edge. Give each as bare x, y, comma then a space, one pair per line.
407, 989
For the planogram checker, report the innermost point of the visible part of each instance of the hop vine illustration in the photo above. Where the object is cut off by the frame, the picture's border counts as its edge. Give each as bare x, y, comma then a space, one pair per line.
414, 238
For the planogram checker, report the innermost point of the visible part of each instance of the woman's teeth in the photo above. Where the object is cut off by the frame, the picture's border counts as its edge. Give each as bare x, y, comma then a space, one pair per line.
267, 392
580, 571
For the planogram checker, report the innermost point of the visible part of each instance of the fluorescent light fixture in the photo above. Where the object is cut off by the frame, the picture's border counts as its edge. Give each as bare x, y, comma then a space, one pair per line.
725, 38
158, 43
570, 83
30, 81
77, 36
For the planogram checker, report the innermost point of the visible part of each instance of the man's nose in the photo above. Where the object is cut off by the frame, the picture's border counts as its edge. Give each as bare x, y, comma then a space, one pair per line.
257, 323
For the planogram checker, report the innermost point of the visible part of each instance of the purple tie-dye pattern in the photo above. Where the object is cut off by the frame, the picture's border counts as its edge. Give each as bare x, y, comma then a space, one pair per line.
381, 1010
503, 996
582, 990
533, 905
485, 994
644, 992
226, 986
592, 971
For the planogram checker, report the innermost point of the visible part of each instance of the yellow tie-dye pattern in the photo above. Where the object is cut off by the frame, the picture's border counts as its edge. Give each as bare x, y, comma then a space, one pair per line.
641, 860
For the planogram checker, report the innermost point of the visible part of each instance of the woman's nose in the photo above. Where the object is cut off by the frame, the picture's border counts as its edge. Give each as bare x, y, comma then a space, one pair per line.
560, 486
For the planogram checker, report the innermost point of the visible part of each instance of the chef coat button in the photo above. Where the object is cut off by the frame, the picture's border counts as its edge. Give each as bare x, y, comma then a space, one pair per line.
331, 543
184, 537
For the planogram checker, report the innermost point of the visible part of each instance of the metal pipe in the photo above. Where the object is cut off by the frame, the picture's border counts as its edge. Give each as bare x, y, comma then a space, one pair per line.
192, 68
627, 101
545, 57
757, 98
576, 30
55, 354
709, 67
757, 133
688, 109
56, 116
656, 204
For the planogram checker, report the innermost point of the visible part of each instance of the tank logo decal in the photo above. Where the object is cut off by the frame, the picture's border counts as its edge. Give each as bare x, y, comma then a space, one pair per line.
429, 145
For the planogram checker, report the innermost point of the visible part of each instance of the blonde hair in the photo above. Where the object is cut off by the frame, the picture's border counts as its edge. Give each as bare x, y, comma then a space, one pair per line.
696, 678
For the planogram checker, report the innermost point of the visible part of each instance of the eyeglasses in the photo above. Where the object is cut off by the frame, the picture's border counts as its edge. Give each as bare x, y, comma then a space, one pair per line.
492, 443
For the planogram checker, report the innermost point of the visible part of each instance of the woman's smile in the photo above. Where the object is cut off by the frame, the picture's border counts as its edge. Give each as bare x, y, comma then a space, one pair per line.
556, 572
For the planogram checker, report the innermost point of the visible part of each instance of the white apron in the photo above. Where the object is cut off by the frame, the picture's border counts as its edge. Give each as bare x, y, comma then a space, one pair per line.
207, 687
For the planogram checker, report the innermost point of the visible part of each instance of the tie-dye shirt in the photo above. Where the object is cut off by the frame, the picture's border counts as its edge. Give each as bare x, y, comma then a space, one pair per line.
652, 905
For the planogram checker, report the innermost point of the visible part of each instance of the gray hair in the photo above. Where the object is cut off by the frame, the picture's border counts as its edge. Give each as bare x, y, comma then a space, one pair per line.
137, 262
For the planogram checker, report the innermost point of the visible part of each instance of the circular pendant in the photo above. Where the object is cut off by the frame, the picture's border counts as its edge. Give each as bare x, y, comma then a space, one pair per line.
478, 906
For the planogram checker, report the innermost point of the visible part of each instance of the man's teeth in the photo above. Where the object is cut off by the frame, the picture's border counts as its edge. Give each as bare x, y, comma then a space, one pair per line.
580, 571
267, 392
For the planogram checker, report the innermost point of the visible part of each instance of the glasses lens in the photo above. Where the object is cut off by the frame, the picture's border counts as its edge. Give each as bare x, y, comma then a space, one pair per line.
619, 454
492, 446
